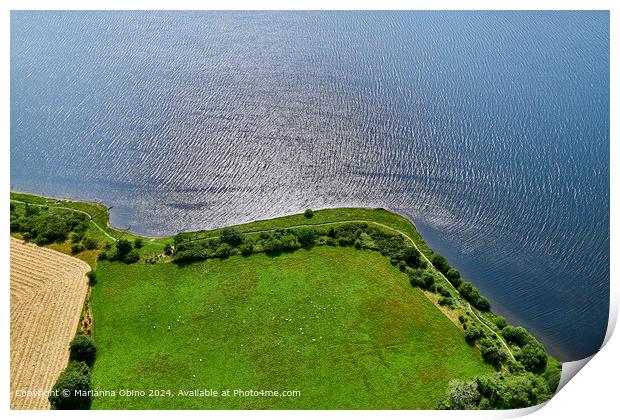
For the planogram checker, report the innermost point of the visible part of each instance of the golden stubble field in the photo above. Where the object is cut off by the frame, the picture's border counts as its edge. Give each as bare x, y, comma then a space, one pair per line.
47, 294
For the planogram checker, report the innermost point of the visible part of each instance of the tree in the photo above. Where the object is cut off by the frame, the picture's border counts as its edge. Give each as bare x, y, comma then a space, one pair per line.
427, 280
223, 250
82, 349
500, 321
462, 395
512, 391
123, 246
474, 334
71, 390
440, 262
415, 278
482, 303
516, 335
454, 277
308, 213
466, 289
491, 352
131, 257
168, 249
443, 291
92, 278
246, 248
90, 244
307, 237
452, 273
446, 301
138, 243
533, 357
411, 257
232, 237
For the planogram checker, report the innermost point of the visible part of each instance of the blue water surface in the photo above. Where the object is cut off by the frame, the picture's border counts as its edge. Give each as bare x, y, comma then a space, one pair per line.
489, 129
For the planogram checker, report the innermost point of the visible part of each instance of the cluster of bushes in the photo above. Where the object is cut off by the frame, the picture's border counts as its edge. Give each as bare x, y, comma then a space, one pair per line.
43, 227
70, 392
80, 243
499, 321
474, 334
39, 225
465, 288
358, 235
491, 350
187, 250
473, 296
497, 392
530, 380
446, 301
531, 353
72, 388
423, 279
92, 278
124, 251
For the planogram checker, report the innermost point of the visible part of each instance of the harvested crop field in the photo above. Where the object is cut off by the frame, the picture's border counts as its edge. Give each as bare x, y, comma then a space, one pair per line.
47, 294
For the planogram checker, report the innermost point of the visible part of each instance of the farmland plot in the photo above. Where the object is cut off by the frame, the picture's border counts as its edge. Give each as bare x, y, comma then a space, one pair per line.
47, 293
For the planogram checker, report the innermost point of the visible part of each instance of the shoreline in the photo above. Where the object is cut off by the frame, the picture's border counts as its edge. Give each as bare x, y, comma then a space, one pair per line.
109, 225
416, 239
463, 308
119, 230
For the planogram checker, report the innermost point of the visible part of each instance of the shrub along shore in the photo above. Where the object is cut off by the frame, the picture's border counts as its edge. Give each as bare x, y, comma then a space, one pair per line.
525, 374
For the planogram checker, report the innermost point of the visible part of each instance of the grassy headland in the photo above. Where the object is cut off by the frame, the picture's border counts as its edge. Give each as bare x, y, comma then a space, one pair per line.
339, 257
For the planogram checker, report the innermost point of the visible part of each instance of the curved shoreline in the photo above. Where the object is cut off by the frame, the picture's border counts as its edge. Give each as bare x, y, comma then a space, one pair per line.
110, 226
212, 233
159, 250
424, 255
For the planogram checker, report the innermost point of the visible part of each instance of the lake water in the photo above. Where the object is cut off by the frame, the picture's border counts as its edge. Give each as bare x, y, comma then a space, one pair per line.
489, 129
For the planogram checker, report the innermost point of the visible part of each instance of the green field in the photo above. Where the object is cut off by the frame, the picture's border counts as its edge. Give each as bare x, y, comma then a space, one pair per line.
344, 321
369, 339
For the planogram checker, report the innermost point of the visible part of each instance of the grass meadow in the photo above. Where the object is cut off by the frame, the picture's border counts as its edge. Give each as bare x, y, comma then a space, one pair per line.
341, 326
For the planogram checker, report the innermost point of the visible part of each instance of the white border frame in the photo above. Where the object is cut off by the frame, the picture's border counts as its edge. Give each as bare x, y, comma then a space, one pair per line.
593, 393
